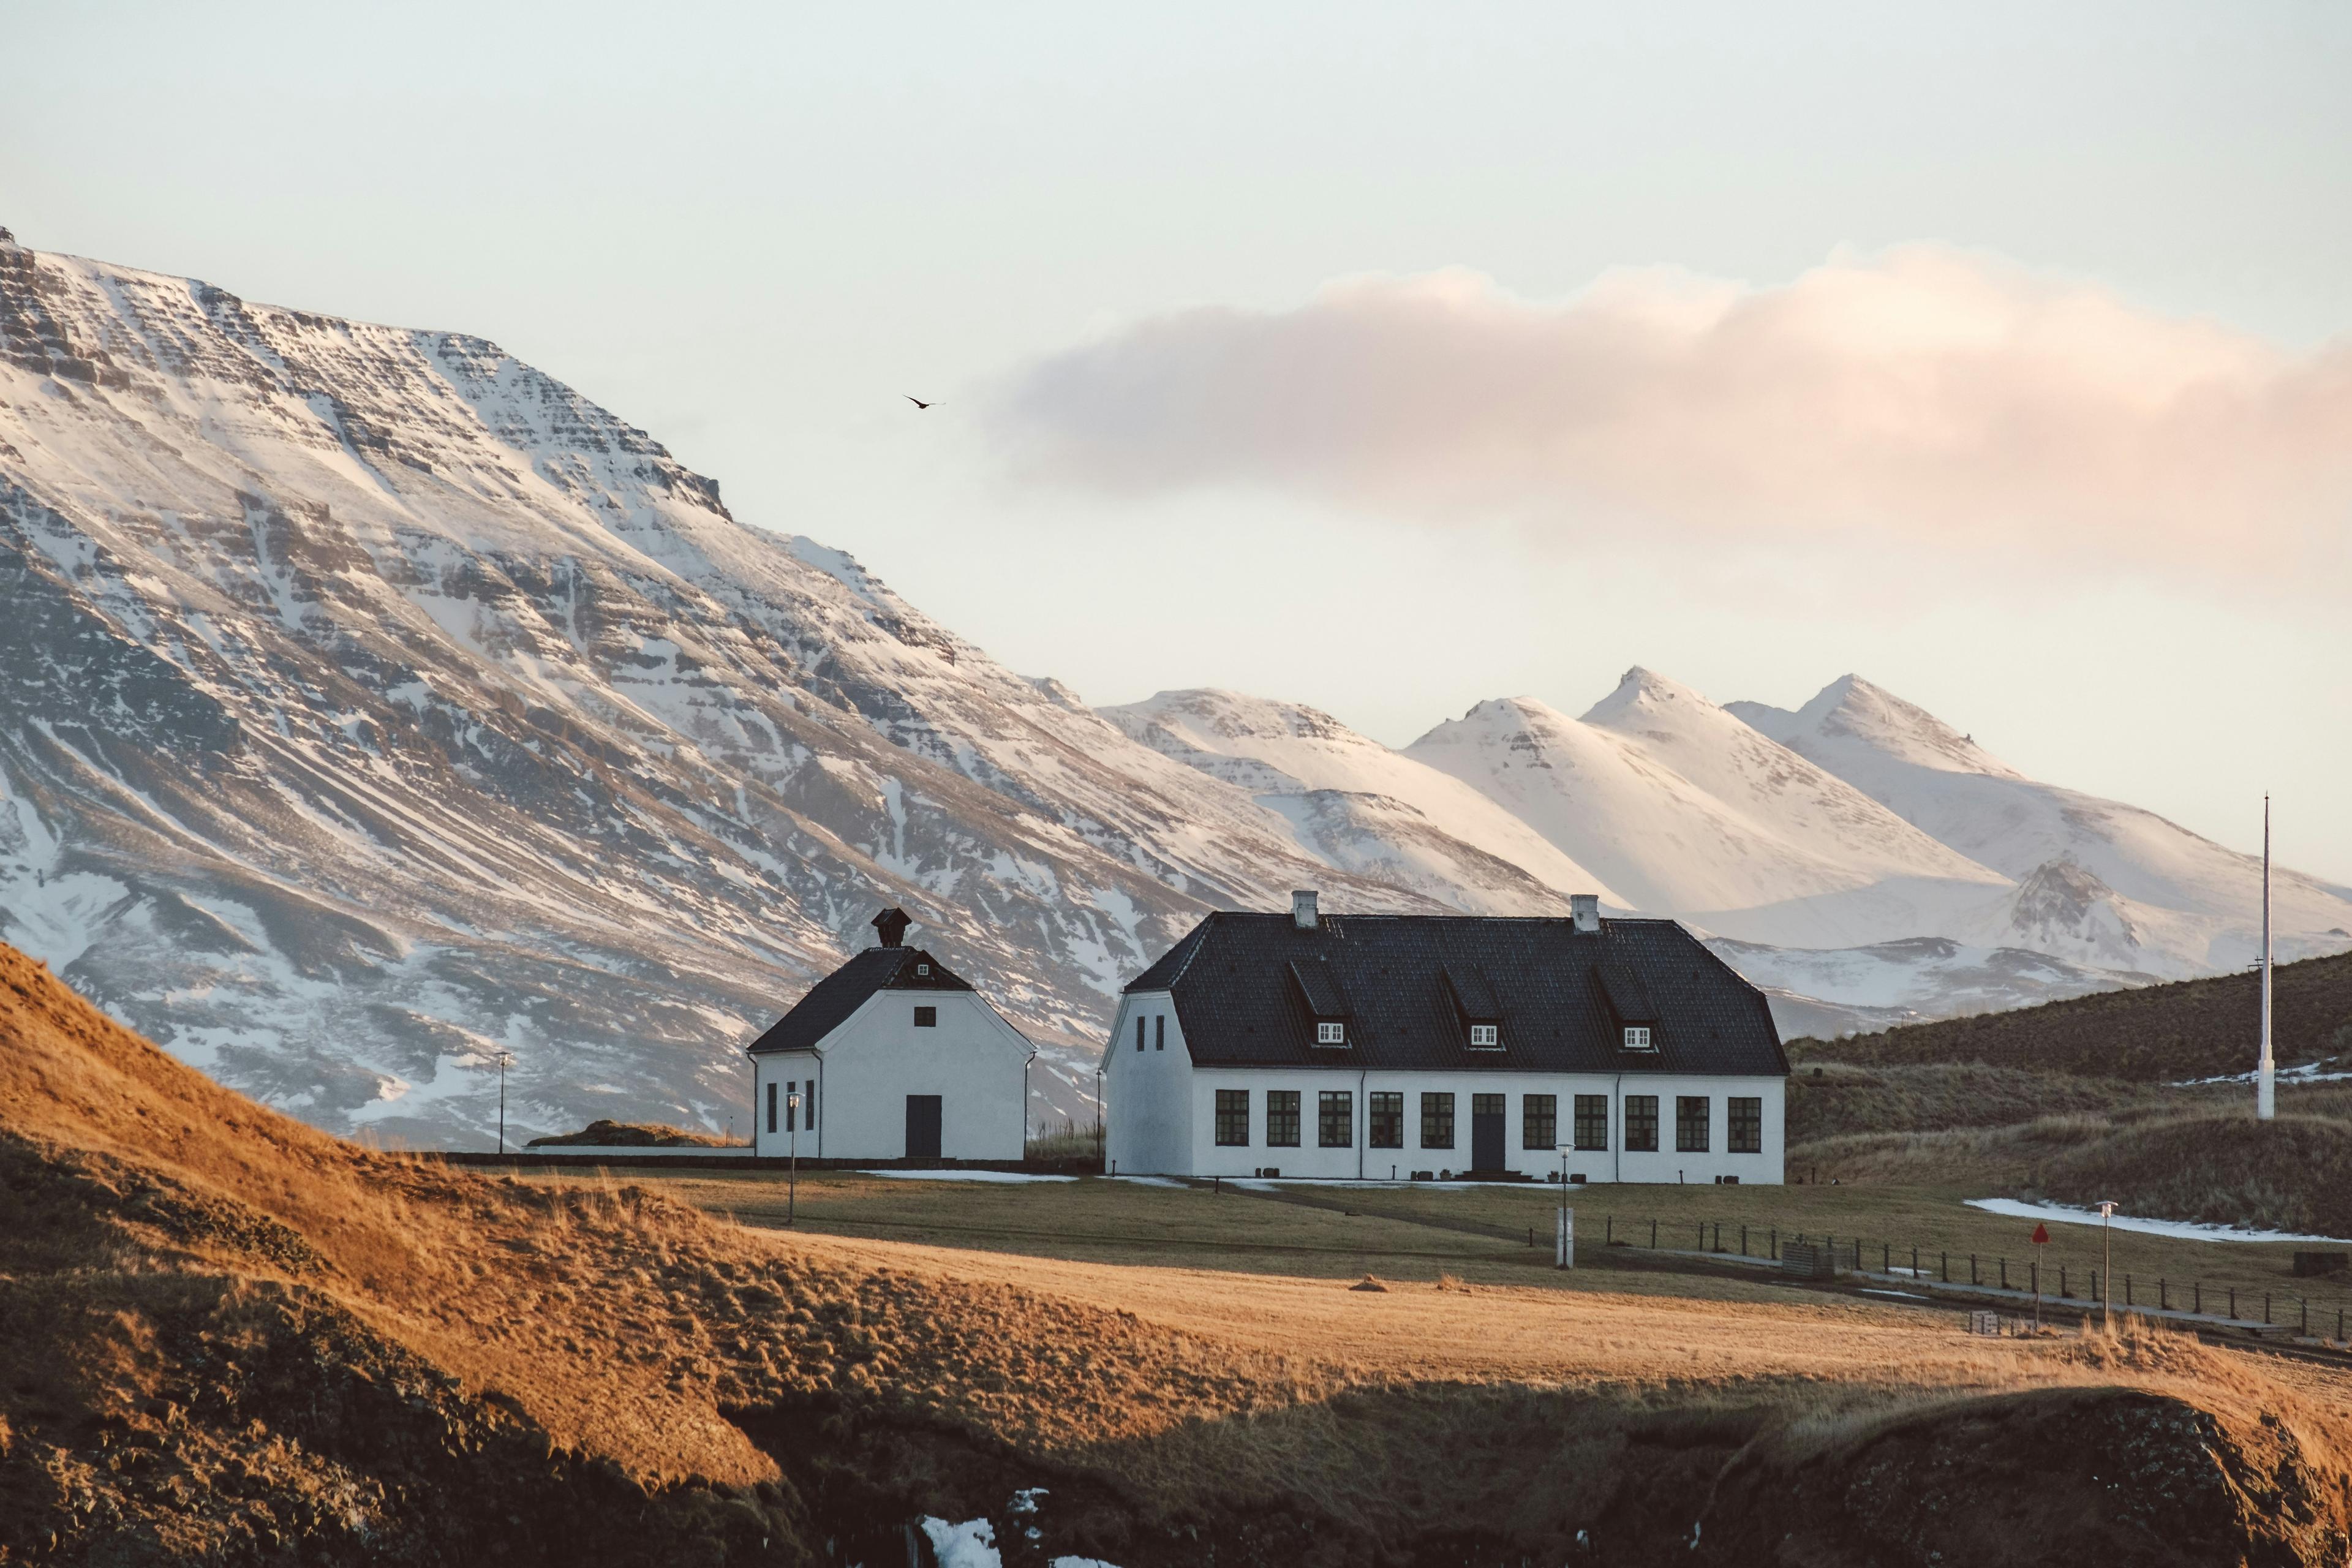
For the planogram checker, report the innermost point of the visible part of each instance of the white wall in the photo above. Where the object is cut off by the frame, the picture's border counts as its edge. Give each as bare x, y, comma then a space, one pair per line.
1150, 1117
1149, 1128
972, 1059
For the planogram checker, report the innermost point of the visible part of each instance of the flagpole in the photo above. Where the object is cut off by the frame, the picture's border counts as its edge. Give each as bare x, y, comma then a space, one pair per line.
2265, 1082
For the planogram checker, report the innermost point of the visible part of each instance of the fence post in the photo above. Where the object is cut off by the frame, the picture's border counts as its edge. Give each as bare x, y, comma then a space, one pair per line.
1718, 1236
2234, 1300
2004, 1273
1607, 1230
2063, 1294
1915, 1263
2197, 1294
2266, 1306
1885, 1257
2163, 1296
1653, 1233
1947, 1267
2127, 1300
2303, 1306
1776, 1244
1972, 1268
1743, 1241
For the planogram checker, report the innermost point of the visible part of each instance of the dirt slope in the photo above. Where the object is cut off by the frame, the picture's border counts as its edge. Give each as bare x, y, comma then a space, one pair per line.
225, 1337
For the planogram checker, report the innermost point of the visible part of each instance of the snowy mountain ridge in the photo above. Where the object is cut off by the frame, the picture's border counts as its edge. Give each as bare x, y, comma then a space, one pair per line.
373, 706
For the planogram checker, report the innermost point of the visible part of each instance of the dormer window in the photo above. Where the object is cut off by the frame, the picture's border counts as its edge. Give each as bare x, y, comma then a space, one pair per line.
1637, 1038
1486, 1037
922, 969
1330, 1033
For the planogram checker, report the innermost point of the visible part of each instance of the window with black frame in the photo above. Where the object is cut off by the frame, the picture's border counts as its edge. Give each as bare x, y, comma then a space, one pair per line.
1335, 1119
1640, 1123
1437, 1122
1746, 1127
1539, 1122
1233, 1118
1384, 1119
1282, 1118
1691, 1124
1593, 1122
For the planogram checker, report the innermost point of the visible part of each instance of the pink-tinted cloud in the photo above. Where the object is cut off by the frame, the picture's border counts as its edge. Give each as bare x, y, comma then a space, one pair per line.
1925, 395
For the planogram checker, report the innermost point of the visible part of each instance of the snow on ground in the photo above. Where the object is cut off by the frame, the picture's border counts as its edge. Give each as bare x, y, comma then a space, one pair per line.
2309, 1072
1013, 1176
1151, 1181
2187, 1230
973, 1544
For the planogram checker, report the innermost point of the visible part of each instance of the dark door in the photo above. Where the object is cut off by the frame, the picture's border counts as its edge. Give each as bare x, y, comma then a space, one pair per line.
1485, 1131
923, 1127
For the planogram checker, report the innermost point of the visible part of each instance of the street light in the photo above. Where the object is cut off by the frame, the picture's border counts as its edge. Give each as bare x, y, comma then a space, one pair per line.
504, 1057
1563, 1245
792, 1128
2108, 1258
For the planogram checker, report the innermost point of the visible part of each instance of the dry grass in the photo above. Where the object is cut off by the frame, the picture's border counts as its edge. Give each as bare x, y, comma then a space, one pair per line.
631, 1134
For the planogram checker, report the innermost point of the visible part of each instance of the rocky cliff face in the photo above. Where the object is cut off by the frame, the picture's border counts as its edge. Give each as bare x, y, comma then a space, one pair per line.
372, 704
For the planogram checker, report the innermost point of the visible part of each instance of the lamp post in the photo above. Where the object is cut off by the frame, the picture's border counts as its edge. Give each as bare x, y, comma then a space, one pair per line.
2107, 1261
504, 1057
1561, 1257
793, 1184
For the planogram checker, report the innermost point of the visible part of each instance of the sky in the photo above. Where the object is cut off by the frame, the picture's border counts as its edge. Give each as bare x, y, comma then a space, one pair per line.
1385, 359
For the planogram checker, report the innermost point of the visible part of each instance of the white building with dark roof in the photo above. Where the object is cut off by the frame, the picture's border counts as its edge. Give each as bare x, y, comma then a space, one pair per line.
892, 1056
1384, 1045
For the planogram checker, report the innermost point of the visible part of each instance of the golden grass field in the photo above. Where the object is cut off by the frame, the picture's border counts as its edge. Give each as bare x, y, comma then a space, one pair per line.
229, 1338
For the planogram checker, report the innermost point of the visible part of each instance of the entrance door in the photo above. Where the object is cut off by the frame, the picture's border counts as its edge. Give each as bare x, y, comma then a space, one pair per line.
923, 1127
1487, 1132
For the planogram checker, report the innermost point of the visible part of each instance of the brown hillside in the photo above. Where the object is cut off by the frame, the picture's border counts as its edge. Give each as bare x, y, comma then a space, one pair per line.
227, 1338
2160, 1033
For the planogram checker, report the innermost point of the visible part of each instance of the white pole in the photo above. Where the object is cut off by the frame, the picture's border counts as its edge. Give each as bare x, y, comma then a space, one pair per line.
2265, 1082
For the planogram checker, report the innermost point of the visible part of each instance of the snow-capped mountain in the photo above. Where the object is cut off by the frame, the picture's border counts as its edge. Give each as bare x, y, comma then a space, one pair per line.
1353, 801
372, 703
2097, 882
1683, 810
374, 708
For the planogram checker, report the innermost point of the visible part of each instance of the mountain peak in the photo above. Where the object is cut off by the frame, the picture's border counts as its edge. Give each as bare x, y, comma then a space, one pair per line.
1874, 716
1640, 689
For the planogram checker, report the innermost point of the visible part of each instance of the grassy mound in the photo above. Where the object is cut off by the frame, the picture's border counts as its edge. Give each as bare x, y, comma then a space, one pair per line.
629, 1135
2161, 1034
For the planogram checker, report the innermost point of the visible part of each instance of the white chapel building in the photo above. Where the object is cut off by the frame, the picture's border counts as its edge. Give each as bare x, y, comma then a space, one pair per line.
891, 1056
1384, 1047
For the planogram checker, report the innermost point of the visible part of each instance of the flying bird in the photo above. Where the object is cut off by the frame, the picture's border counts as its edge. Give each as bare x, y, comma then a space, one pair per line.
915, 400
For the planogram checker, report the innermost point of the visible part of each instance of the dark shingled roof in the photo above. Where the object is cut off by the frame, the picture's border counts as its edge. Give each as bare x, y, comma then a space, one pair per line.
1408, 985
843, 992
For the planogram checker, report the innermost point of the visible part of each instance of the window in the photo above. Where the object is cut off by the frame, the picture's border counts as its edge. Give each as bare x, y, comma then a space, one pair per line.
1385, 1122
1593, 1122
1640, 1123
1335, 1119
772, 1108
1160, 1033
1690, 1123
808, 1105
1747, 1125
1330, 1033
1637, 1038
791, 1105
1437, 1122
1233, 1118
1486, 1037
1138, 1031
926, 1017
1282, 1118
1539, 1122
922, 969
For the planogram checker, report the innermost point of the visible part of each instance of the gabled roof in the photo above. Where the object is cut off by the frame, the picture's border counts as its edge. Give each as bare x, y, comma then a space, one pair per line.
1411, 984
1317, 988
831, 1001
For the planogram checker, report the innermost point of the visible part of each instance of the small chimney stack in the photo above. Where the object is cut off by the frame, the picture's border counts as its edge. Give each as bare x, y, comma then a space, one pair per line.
892, 924
1302, 908
1584, 909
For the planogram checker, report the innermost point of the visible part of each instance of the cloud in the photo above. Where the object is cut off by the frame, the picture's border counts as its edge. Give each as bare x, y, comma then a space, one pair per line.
1925, 395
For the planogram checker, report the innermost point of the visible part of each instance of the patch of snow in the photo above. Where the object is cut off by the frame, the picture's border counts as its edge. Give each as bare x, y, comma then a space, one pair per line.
2185, 1230
972, 1544
1152, 1182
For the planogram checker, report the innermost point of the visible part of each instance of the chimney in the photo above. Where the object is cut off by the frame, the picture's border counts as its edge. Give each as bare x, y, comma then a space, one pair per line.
892, 924
1302, 908
1584, 909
